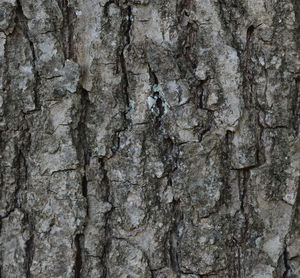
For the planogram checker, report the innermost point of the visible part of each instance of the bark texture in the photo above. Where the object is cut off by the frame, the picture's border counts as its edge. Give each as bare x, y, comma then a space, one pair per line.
149, 138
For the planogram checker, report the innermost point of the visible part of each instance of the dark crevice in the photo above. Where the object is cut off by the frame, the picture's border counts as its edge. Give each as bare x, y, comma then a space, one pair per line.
236, 266
78, 257
239, 262
67, 29
62, 171
121, 60
127, 25
201, 93
82, 129
84, 190
19, 168
246, 168
296, 105
24, 26
5, 68
227, 12
286, 263
260, 151
186, 32
70, 17
152, 271
19, 165
122, 69
225, 160
246, 66
159, 106
125, 83
250, 31
36, 77
171, 157
125, 29
1, 254
243, 178
152, 75
106, 7
84, 186
207, 127
174, 238
202, 134
186, 53
29, 255
29, 244
182, 7
170, 152
82, 143
107, 229
209, 274
115, 141
80, 139
297, 19
240, 240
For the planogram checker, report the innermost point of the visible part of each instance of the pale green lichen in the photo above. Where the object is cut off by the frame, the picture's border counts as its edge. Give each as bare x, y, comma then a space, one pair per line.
151, 100
157, 89
131, 105
100, 151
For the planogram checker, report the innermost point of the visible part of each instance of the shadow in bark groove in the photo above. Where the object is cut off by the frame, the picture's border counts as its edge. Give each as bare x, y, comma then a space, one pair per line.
78, 258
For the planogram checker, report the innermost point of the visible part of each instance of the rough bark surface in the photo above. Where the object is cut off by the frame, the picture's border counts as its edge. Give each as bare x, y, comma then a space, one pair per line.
149, 138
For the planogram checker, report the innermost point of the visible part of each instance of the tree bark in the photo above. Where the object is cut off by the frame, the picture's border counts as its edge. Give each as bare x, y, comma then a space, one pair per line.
149, 138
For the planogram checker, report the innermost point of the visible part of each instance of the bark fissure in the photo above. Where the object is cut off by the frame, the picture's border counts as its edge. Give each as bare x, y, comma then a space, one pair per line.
125, 29
29, 251
159, 107
78, 256
286, 263
67, 29
65, 20
107, 229
174, 237
79, 135
24, 26
243, 193
229, 24
82, 128
296, 105
170, 154
19, 165
248, 78
260, 152
121, 63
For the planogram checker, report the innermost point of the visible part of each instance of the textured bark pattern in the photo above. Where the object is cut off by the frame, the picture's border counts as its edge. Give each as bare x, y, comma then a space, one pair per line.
149, 138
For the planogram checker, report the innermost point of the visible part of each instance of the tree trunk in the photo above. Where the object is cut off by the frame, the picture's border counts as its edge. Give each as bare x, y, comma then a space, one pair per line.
149, 138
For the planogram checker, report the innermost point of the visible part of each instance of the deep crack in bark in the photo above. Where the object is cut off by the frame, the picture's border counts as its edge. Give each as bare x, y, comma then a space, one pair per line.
80, 139
107, 229
125, 29
286, 263
78, 257
22, 19
29, 245
174, 237
67, 29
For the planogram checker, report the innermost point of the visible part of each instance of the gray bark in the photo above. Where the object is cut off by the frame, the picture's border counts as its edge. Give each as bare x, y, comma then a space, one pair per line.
149, 138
